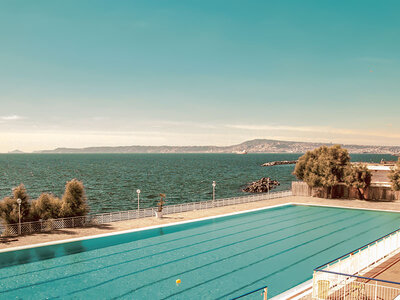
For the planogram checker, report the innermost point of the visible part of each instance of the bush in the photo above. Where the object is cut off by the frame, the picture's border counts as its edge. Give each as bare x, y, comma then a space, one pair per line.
394, 176
323, 167
74, 200
359, 177
9, 206
47, 206
161, 203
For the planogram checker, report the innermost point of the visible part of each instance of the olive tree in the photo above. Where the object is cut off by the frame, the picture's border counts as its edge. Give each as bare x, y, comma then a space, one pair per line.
394, 176
323, 167
359, 177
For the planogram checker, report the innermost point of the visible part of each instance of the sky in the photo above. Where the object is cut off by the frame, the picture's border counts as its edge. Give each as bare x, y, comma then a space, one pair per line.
82, 73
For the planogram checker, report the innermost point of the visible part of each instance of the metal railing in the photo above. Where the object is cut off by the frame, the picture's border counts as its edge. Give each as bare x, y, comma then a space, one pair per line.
333, 285
94, 219
263, 294
338, 278
366, 256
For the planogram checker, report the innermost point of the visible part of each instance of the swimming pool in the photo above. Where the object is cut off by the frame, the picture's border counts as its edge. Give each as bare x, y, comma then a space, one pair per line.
217, 258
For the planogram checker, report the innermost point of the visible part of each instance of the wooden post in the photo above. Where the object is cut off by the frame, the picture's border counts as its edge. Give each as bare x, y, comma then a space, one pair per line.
265, 293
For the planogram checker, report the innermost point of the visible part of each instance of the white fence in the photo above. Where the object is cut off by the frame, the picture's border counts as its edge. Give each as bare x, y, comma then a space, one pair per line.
48, 225
340, 286
366, 256
340, 278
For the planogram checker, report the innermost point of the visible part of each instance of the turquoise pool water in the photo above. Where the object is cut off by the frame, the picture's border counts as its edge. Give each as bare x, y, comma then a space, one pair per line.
214, 259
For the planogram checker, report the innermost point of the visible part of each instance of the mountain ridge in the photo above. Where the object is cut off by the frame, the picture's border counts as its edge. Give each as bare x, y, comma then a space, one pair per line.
251, 146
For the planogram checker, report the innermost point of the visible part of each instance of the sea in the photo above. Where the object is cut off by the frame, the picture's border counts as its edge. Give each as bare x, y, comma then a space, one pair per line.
111, 180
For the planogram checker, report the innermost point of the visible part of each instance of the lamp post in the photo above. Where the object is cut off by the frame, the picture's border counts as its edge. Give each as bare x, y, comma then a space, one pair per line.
19, 201
213, 185
138, 199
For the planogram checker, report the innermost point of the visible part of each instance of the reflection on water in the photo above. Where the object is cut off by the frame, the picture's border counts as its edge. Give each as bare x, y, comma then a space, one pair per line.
8, 259
45, 252
72, 248
24, 257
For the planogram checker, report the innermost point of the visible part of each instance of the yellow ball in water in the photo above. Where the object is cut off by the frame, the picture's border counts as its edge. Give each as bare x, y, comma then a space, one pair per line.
178, 281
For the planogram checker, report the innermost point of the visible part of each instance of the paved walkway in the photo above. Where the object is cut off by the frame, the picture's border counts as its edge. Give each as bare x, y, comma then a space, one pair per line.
67, 233
388, 270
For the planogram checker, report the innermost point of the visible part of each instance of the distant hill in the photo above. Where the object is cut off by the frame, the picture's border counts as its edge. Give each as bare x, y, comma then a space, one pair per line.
15, 152
253, 146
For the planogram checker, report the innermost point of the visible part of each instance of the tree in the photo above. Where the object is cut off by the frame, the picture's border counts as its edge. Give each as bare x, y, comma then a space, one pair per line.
323, 167
74, 200
359, 177
394, 176
47, 206
161, 203
9, 206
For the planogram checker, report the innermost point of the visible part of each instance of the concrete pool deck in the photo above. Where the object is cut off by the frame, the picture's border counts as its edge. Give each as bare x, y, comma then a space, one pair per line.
68, 233
389, 270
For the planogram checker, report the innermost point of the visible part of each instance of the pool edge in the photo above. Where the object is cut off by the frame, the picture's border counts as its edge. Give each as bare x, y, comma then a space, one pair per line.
89, 237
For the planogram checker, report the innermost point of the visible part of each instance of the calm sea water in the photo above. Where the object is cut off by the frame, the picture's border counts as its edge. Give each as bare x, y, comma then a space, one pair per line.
111, 180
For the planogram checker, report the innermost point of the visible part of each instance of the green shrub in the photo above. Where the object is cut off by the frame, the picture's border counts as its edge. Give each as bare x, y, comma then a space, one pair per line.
394, 176
9, 206
323, 167
9, 210
359, 177
47, 206
161, 203
74, 200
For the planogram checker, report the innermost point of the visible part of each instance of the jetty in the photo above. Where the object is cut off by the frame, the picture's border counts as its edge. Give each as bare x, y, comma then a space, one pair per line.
263, 185
278, 163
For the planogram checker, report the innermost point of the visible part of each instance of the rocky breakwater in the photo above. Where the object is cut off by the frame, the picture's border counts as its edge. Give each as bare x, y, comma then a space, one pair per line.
263, 185
278, 163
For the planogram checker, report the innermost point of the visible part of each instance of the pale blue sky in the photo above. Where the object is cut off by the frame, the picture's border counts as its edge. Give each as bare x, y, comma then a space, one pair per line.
90, 73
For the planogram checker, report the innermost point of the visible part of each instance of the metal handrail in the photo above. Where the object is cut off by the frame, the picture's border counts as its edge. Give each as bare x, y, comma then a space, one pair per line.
265, 288
359, 277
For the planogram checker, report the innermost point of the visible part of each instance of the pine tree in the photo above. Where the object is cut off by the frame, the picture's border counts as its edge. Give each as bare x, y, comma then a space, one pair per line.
47, 206
74, 200
9, 206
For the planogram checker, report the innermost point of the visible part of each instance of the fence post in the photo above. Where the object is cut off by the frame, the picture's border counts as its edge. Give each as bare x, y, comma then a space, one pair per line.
73, 223
344, 293
313, 293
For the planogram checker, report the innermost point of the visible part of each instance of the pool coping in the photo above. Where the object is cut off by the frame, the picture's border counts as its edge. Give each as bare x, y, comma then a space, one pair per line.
178, 223
296, 292
135, 229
